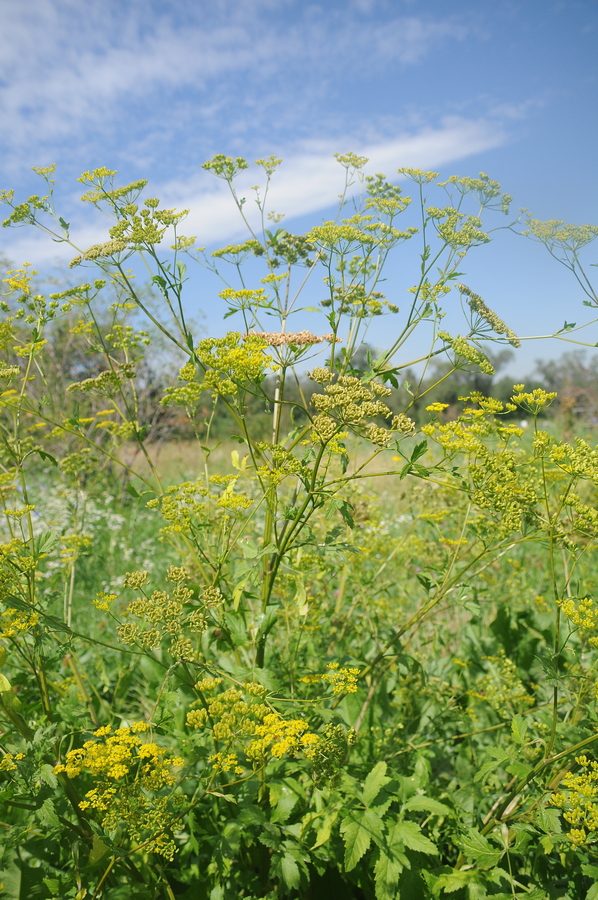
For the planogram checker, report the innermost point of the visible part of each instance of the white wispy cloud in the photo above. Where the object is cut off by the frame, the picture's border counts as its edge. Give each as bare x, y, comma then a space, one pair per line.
307, 182
66, 67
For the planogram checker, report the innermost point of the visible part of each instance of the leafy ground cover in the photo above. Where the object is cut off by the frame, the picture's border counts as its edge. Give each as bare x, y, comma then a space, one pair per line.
354, 656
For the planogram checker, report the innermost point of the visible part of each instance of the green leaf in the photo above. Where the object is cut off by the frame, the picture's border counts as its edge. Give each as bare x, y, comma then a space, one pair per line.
283, 806
46, 774
518, 729
47, 814
519, 769
323, 832
420, 802
386, 874
419, 451
374, 783
4, 684
479, 848
9, 698
453, 881
549, 820
266, 621
289, 871
358, 829
45, 455
500, 756
411, 835
133, 491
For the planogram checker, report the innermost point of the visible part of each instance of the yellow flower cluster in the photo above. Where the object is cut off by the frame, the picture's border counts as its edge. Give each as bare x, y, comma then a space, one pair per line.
8, 763
455, 229
231, 717
19, 280
278, 737
343, 681
578, 801
584, 615
183, 505
578, 460
532, 401
281, 464
234, 361
15, 622
556, 234
104, 600
436, 407
141, 770
224, 762
117, 755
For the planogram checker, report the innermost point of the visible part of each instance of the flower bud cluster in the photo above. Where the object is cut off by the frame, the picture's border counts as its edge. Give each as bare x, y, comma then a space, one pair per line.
350, 402
484, 312
294, 338
169, 614
461, 347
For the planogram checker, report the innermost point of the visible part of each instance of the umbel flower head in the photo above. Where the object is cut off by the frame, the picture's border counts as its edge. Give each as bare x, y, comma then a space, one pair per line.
296, 338
129, 771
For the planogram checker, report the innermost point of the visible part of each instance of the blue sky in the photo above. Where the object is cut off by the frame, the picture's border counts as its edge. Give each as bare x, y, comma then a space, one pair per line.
153, 89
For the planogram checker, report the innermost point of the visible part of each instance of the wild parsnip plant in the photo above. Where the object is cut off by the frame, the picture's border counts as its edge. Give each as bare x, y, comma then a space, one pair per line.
348, 658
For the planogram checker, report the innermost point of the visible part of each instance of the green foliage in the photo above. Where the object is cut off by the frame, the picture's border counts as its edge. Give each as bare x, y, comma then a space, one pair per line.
352, 652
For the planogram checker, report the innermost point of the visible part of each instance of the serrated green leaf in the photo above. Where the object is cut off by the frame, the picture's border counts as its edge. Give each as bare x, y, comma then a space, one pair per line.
98, 850
477, 847
358, 829
420, 803
519, 729
289, 871
46, 774
500, 756
374, 783
47, 814
549, 820
323, 832
453, 881
284, 806
519, 769
411, 835
386, 874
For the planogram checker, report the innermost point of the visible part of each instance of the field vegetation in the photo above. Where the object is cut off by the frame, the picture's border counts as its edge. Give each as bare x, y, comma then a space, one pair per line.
283, 616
